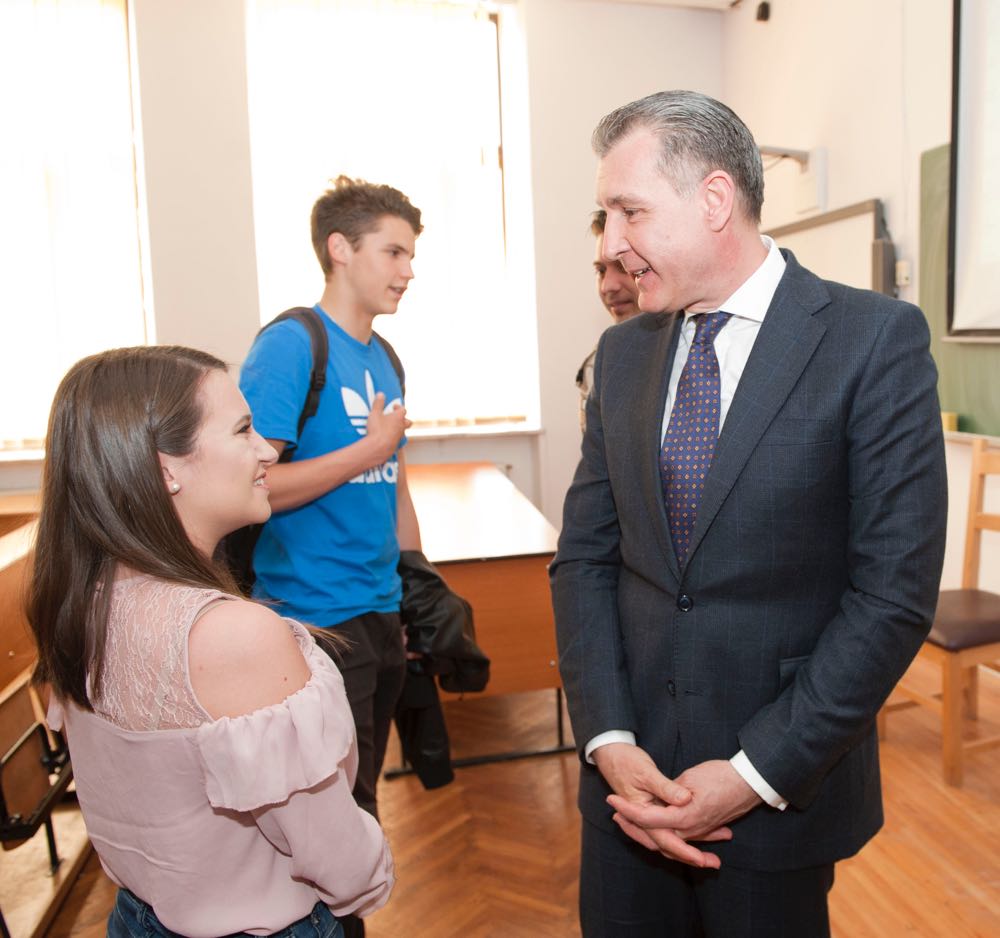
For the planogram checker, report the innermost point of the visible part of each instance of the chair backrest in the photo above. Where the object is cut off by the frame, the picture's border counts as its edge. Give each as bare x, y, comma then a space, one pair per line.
985, 462
32, 772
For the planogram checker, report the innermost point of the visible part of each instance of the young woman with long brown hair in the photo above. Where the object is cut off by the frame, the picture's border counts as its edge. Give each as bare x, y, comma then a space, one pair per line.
212, 743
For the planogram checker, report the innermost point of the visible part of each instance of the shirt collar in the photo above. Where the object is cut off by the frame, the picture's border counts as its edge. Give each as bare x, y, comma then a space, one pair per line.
754, 295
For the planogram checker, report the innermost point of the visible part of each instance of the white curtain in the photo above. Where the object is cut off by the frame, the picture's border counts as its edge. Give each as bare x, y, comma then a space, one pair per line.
403, 92
71, 280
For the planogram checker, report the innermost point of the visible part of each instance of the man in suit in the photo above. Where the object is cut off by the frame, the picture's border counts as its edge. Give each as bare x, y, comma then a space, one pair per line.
750, 553
620, 297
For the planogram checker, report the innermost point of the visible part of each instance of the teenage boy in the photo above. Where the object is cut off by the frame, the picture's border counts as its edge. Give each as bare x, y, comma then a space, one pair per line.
341, 507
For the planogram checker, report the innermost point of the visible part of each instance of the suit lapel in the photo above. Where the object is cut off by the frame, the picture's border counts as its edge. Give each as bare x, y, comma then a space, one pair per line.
652, 378
786, 341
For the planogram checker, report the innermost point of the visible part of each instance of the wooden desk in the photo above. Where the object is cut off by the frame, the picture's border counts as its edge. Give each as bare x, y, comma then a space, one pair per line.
493, 547
17, 648
26, 502
17, 509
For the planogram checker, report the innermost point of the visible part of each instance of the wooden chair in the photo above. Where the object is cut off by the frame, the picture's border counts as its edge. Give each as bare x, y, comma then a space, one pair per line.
34, 773
965, 635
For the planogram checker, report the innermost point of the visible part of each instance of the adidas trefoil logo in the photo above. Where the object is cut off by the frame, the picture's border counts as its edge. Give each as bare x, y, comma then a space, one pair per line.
358, 409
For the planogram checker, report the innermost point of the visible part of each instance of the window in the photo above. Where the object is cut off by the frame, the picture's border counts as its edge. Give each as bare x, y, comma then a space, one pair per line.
404, 92
68, 228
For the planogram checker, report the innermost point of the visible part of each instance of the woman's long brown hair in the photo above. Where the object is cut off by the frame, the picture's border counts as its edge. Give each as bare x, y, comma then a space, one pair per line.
104, 502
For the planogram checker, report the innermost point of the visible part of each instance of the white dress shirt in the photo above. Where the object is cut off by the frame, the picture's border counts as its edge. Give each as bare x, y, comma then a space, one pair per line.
747, 306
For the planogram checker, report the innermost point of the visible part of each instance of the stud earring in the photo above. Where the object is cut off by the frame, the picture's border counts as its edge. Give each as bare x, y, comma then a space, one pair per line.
175, 487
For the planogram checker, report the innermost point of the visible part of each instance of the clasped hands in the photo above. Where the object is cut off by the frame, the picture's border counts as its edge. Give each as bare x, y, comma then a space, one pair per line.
664, 814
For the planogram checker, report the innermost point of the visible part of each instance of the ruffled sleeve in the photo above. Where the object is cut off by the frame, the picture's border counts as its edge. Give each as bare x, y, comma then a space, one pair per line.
292, 766
263, 757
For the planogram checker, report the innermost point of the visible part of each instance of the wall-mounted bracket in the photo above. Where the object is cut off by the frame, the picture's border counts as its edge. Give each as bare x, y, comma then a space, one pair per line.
800, 156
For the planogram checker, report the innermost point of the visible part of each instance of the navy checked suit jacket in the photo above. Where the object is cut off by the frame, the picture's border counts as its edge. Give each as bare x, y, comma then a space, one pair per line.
812, 576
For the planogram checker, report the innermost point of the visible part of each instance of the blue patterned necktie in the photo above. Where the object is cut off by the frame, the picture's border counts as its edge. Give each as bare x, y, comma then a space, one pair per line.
692, 432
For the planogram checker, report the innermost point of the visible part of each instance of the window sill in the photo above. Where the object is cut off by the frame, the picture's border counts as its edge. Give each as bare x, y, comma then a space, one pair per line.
30, 457
473, 432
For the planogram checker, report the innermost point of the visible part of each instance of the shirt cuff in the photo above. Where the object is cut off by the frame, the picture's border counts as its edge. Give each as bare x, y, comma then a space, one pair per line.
755, 780
602, 739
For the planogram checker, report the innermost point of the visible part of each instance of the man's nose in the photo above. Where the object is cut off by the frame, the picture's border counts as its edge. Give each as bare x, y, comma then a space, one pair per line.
615, 243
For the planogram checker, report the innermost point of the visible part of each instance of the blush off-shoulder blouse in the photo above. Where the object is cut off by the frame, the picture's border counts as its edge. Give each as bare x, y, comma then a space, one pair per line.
228, 825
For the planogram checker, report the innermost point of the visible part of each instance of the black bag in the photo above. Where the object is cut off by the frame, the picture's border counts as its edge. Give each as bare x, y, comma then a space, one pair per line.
422, 732
236, 549
439, 625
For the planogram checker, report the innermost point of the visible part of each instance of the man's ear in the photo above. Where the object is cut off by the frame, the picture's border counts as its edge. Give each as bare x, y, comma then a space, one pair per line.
719, 194
339, 248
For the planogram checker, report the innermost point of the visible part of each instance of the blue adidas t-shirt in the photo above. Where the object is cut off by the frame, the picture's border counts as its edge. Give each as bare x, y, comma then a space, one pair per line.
335, 557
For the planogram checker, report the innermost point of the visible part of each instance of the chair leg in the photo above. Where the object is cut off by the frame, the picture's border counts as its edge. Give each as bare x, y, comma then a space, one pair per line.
970, 693
50, 836
881, 724
951, 721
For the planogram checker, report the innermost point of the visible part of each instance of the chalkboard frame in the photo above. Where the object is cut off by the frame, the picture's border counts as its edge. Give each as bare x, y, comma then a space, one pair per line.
883, 279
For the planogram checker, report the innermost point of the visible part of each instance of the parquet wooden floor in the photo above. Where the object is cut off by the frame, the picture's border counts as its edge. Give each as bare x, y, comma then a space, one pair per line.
495, 853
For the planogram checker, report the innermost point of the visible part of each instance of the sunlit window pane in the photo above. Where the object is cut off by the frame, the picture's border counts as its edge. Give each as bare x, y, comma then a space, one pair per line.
404, 93
68, 232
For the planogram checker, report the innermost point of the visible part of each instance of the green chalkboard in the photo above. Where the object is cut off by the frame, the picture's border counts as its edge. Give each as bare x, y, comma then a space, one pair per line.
969, 381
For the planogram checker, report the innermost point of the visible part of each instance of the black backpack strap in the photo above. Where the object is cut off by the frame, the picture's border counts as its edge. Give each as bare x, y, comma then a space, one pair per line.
397, 365
310, 319
313, 324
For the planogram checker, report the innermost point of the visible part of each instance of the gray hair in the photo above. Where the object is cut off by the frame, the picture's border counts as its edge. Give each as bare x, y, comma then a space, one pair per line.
697, 134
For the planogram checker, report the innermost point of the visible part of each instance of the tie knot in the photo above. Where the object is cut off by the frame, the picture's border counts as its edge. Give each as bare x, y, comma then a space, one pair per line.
708, 325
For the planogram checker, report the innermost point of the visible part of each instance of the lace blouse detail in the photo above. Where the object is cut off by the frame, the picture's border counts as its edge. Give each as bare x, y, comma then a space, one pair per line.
234, 825
146, 685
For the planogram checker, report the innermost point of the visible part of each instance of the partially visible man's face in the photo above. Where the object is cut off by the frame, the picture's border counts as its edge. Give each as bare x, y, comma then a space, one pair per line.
617, 289
660, 238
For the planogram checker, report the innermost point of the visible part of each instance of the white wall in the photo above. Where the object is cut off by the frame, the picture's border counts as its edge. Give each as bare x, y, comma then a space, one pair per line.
584, 60
192, 96
868, 81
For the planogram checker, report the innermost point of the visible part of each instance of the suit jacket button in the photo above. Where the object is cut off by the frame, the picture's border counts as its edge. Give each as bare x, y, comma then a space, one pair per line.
671, 688
685, 603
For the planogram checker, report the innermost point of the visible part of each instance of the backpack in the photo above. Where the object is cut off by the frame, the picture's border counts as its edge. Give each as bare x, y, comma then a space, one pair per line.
235, 550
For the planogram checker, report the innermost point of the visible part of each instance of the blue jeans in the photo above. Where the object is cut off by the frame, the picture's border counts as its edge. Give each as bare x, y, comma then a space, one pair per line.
133, 918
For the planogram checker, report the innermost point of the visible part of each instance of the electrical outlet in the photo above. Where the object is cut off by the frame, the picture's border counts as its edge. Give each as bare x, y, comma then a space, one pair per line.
903, 273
